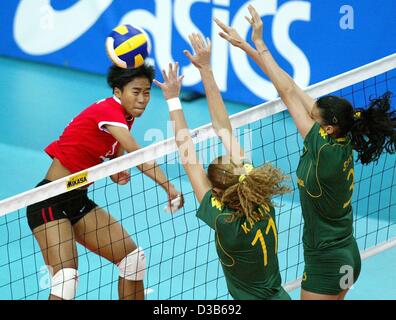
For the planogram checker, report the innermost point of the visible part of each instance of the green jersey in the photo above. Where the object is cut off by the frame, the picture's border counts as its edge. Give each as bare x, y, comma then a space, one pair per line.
325, 177
247, 250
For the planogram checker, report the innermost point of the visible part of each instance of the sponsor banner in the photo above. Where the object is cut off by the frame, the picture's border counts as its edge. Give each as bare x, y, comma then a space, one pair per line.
312, 40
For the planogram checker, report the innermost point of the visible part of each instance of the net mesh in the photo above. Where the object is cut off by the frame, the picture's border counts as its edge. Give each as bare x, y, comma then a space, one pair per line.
181, 258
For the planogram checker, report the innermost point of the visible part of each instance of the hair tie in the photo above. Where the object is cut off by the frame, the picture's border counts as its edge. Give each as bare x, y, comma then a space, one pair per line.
248, 168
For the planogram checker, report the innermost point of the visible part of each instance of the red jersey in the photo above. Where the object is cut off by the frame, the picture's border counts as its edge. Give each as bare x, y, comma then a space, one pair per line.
85, 142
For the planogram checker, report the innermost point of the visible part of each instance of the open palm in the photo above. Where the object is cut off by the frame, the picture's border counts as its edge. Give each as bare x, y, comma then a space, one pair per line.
172, 82
202, 50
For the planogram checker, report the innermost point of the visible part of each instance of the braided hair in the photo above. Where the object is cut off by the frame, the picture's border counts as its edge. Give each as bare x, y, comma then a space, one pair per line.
254, 189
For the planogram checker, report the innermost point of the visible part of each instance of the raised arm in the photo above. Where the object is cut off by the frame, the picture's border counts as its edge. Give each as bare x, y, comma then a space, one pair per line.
185, 144
218, 112
296, 100
150, 168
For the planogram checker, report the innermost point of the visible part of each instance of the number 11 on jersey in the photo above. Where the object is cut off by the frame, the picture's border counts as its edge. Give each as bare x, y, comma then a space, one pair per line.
260, 237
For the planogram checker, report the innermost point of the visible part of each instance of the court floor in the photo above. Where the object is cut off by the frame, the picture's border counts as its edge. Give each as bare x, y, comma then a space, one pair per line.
37, 102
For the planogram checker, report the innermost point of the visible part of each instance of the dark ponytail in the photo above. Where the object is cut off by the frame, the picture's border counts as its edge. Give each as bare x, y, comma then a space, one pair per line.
374, 129
371, 130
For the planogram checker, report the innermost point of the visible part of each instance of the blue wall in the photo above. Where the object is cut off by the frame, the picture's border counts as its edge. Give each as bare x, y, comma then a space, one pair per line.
312, 40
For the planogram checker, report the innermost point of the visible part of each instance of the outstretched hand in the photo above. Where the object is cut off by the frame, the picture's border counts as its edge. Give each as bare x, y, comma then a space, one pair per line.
172, 82
175, 200
233, 37
230, 34
256, 23
202, 49
121, 178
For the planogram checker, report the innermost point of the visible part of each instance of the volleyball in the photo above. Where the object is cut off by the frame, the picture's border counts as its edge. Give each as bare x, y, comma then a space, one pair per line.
127, 46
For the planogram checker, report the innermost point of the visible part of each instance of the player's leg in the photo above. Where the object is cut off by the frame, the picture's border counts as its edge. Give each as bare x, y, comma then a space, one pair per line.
99, 232
58, 246
306, 295
53, 231
342, 294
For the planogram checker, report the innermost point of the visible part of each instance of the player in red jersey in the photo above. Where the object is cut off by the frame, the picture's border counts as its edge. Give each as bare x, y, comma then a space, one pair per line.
101, 131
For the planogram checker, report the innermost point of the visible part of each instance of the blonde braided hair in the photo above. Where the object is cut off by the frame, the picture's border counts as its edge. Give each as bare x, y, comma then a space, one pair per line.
244, 188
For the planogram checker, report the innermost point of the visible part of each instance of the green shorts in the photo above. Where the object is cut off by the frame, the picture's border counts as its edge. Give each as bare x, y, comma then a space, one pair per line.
281, 295
330, 271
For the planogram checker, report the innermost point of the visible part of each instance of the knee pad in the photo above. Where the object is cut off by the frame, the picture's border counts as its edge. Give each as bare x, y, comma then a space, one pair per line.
64, 284
133, 266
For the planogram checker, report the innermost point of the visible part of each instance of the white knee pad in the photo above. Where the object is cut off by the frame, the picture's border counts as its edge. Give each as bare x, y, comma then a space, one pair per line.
133, 266
64, 284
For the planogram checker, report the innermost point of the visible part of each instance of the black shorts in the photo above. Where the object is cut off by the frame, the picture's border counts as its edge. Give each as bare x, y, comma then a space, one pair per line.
72, 205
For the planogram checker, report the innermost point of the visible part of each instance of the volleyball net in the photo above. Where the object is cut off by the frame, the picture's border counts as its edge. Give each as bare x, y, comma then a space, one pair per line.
180, 251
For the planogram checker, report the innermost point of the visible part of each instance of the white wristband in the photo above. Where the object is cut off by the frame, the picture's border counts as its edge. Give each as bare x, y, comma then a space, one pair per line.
175, 204
174, 104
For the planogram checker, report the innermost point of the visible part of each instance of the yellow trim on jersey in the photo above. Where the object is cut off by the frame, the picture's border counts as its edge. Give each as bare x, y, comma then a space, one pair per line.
317, 167
218, 241
316, 175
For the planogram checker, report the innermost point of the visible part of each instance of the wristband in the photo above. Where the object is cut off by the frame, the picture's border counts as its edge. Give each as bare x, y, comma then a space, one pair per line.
175, 205
174, 104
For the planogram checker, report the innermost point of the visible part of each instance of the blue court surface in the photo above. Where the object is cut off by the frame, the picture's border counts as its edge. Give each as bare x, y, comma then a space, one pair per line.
38, 101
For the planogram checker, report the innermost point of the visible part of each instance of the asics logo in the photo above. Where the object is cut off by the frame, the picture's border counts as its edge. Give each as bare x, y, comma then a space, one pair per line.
39, 29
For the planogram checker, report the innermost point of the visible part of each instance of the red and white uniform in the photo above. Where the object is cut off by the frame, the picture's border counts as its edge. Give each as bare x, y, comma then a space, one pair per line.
85, 142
